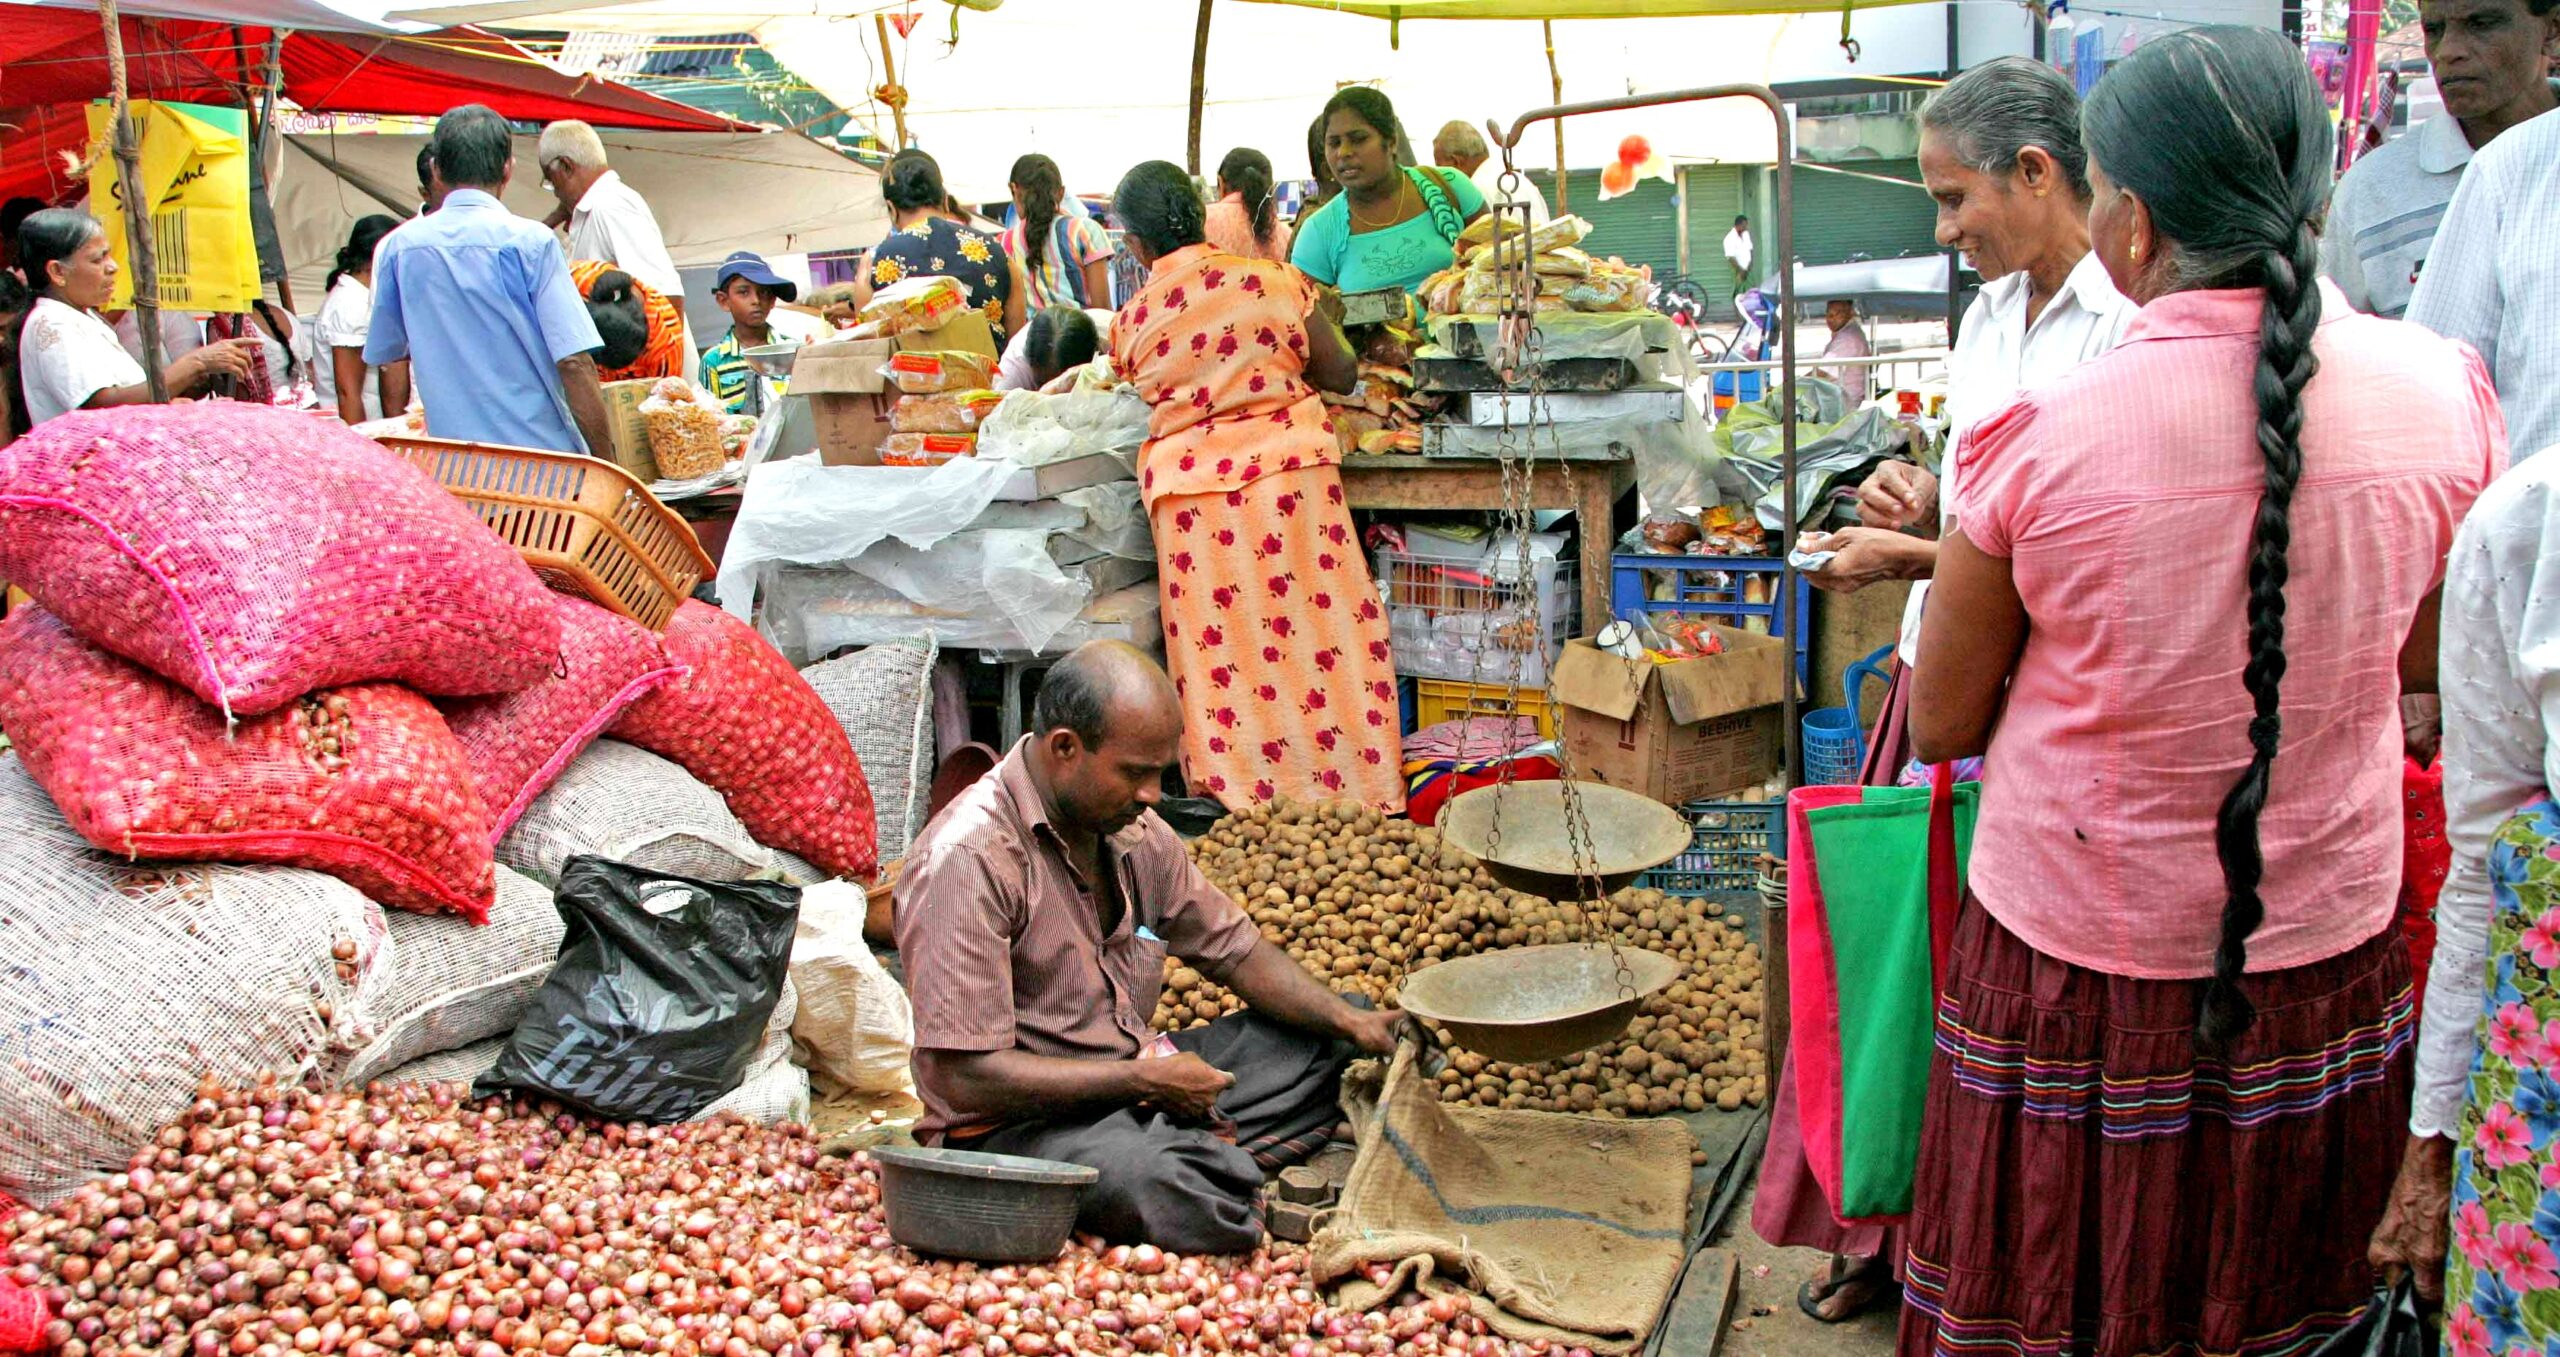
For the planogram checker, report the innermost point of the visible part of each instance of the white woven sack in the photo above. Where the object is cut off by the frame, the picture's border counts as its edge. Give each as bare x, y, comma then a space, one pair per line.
799, 871
122, 987
774, 1090
451, 984
883, 697
621, 802
854, 1020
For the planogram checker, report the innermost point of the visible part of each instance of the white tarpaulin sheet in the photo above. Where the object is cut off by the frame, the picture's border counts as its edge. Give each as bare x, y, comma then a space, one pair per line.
802, 512
775, 193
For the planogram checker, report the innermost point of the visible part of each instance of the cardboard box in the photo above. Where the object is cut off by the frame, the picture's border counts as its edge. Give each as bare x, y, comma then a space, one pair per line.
848, 398
630, 431
967, 332
1675, 732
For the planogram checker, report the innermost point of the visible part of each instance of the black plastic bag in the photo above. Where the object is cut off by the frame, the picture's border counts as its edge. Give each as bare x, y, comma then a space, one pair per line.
661, 994
2391, 1326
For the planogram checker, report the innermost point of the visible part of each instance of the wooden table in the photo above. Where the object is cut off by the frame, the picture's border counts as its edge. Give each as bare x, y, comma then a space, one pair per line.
1596, 485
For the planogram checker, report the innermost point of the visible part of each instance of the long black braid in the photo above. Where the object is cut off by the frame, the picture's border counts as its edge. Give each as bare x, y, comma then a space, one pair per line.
2236, 195
1043, 189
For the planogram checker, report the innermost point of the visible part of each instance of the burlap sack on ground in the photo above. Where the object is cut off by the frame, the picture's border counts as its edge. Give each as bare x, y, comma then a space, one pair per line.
854, 1021
450, 984
122, 986
1566, 1228
775, 1089
622, 802
883, 697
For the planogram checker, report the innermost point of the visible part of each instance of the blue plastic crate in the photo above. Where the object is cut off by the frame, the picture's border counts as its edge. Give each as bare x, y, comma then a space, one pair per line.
1726, 840
1715, 588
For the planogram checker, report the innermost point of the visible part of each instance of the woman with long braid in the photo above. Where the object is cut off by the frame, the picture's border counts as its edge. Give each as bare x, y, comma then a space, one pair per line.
2174, 1040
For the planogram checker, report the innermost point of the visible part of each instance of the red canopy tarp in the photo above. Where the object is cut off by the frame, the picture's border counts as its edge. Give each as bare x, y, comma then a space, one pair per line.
53, 62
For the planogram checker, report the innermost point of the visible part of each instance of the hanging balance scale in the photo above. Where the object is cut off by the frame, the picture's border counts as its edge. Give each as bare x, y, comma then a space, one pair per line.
1570, 841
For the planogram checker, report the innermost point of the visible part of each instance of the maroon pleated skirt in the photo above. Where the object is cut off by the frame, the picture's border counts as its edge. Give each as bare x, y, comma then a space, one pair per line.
2089, 1186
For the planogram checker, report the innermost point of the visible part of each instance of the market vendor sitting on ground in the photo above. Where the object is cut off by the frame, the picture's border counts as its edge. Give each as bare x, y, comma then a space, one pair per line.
1034, 916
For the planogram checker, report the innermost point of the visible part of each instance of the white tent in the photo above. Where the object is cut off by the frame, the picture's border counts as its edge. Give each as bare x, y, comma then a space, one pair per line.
776, 193
1100, 88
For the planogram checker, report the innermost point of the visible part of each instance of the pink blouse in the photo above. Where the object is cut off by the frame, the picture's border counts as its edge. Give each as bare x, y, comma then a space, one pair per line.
2122, 497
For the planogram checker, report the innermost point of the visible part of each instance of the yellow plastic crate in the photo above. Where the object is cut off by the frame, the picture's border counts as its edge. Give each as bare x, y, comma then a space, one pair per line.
1438, 700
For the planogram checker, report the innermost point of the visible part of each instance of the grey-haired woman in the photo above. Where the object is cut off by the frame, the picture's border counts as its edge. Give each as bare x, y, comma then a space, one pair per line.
2000, 152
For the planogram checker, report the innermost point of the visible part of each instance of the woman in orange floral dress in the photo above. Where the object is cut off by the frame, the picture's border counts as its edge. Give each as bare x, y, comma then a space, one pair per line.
1272, 628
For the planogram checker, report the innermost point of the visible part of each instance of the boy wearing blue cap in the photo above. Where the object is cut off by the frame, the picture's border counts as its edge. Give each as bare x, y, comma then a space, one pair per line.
747, 288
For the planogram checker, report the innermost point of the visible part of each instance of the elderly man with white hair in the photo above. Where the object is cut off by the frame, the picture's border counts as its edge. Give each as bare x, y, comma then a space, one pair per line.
607, 218
1462, 148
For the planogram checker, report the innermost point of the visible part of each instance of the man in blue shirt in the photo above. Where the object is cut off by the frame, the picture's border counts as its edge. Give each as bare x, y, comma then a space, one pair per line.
480, 302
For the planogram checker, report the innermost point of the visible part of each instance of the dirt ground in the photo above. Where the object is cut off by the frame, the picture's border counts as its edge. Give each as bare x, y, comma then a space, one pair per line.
1766, 1322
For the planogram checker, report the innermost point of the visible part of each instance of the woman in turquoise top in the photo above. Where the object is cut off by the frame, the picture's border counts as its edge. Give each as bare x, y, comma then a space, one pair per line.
1392, 225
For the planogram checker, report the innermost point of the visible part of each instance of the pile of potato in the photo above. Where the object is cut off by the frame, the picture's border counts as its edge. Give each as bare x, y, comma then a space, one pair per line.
1361, 898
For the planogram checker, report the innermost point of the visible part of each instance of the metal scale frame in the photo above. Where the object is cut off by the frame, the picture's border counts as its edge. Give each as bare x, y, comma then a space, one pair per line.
1532, 1004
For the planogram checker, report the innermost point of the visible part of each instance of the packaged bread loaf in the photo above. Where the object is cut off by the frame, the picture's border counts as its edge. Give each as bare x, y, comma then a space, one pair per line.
915, 304
932, 373
926, 449
951, 412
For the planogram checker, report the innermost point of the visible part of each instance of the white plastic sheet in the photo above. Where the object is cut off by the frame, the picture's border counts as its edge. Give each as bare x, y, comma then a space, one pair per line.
998, 590
799, 511
1115, 520
1036, 430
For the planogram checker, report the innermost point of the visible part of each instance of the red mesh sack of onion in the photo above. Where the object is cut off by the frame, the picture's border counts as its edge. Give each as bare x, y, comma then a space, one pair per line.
363, 782
521, 742
253, 555
751, 728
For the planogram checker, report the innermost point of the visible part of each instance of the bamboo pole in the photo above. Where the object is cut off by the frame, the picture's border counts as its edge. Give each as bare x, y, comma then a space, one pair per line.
1555, 76
139, 245
1199, 81
897, 97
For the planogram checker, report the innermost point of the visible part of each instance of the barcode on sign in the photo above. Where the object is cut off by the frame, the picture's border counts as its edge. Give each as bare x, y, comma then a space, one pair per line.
176, 266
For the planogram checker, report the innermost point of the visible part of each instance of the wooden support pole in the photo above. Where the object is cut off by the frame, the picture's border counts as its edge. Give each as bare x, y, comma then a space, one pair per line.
889, 67
139, 245
1555, 76
1199, 81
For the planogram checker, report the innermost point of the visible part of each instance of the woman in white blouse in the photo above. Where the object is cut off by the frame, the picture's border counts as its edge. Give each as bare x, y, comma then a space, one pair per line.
362, 392
2000, 150
68, 358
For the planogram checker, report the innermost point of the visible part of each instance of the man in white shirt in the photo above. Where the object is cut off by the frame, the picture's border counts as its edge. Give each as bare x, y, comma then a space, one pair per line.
1737, 252
607, 219
1461, 148
2493, 279
2490, 66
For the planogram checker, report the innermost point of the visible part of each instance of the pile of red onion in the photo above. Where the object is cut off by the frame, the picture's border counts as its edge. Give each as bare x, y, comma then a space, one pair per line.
280, 1222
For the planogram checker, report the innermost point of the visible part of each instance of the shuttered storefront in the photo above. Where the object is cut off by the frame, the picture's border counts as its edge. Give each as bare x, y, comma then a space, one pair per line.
1840, 217
1642, 227
1716, 197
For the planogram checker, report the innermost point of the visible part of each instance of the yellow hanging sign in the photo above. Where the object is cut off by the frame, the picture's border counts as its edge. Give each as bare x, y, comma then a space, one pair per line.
195, 176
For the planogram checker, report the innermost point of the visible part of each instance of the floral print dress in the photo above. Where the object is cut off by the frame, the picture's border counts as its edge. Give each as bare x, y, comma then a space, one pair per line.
2502, 1282
1273, 631
938, 247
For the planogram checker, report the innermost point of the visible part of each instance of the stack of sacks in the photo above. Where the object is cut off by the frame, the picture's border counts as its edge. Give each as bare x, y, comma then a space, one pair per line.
238, 608
1568, 278
261, 638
